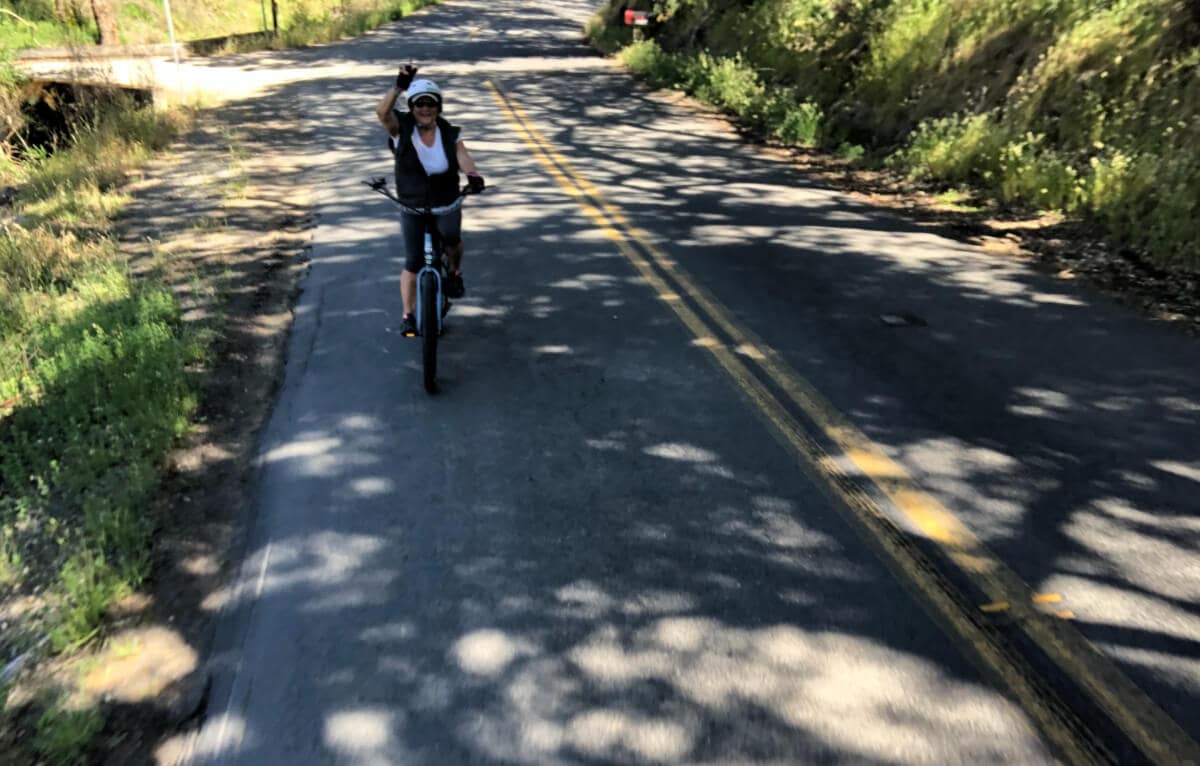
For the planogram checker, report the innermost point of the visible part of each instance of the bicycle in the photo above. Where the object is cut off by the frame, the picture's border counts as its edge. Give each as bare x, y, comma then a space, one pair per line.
431, 301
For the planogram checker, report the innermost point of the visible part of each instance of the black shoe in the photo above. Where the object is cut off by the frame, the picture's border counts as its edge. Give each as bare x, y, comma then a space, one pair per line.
453, 286
408, 326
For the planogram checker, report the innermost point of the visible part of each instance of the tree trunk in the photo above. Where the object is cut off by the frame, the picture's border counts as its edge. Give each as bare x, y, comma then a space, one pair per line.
69, 12
106, 22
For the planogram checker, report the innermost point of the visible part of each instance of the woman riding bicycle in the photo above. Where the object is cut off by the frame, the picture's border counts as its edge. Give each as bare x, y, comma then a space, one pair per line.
429, 155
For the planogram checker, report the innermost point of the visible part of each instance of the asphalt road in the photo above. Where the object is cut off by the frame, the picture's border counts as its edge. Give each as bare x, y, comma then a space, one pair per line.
608, 540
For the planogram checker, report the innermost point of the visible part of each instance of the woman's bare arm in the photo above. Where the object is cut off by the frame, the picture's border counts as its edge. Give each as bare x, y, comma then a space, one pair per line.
384, 112
465, 160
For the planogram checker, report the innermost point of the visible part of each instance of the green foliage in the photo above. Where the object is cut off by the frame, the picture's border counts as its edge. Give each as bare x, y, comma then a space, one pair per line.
732, 85
11, 118
38, 261
800, 124
88, 588
104, 380
1032, 171
727, 82
852, 152
957, 148
17, 35
62, 736
1086, 106
95, 364
647, 58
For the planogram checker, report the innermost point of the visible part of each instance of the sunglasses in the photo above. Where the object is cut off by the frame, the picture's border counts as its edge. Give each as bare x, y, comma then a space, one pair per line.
425, 103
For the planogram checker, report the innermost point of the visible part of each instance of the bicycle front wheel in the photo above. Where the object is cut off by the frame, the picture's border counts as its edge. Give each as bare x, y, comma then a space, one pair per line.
429, 330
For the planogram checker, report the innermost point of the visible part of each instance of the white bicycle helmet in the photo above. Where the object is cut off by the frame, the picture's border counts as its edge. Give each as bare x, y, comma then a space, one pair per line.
424, 88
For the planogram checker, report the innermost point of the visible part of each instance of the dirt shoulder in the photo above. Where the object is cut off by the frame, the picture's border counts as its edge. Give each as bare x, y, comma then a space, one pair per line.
227, 217
1070, 250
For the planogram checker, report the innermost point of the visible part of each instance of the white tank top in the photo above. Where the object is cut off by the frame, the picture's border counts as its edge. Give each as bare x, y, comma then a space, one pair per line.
433, 158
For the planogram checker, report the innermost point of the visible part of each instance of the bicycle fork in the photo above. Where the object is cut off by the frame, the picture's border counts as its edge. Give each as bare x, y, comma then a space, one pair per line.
421, 293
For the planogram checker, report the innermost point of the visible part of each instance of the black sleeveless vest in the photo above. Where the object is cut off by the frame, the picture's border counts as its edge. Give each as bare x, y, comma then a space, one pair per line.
415, 187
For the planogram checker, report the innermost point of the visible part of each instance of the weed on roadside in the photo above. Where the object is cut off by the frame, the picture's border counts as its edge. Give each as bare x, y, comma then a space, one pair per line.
63, 735
732, 85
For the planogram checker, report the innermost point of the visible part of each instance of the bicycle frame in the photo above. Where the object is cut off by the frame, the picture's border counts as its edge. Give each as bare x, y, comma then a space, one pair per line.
433, 244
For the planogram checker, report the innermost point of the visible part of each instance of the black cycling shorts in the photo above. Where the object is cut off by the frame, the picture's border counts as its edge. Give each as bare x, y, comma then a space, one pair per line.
412, 229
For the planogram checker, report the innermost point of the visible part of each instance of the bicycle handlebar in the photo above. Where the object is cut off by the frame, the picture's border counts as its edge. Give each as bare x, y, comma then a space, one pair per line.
379, 185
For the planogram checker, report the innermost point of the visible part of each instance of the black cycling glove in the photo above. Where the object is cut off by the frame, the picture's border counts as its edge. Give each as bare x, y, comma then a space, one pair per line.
475, 181
405, 76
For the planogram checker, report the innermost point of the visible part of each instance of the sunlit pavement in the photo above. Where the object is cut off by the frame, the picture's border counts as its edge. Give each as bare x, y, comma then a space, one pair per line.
591, 547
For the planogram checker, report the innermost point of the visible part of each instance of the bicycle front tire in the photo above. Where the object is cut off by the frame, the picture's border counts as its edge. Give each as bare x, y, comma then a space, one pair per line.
429, 330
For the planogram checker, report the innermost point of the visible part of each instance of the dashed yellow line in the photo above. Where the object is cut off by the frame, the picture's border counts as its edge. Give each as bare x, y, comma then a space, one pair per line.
1151, 730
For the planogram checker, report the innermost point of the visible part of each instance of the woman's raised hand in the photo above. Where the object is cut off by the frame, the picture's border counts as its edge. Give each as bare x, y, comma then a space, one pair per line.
405, 76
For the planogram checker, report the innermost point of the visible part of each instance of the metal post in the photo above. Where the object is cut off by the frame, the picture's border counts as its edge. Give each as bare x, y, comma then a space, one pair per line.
174, 47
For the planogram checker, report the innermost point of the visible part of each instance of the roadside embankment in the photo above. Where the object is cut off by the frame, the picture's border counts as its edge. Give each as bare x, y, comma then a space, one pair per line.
1086, 107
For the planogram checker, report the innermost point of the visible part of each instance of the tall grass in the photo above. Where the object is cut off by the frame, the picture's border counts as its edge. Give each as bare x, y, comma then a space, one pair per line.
301, 22
318, 22
92, 372
1086, 106
93, 392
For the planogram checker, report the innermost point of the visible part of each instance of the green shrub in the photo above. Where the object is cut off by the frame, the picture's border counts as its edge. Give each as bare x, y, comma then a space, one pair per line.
956, 148
652, 62
1116, 180
1032, 172
107, 396
40, 260
144, 21
731, 84
726, 82
852, 152
111, 135
88, 586
800, 125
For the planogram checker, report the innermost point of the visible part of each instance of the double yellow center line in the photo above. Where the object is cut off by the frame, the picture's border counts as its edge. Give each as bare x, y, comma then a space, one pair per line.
861, 462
